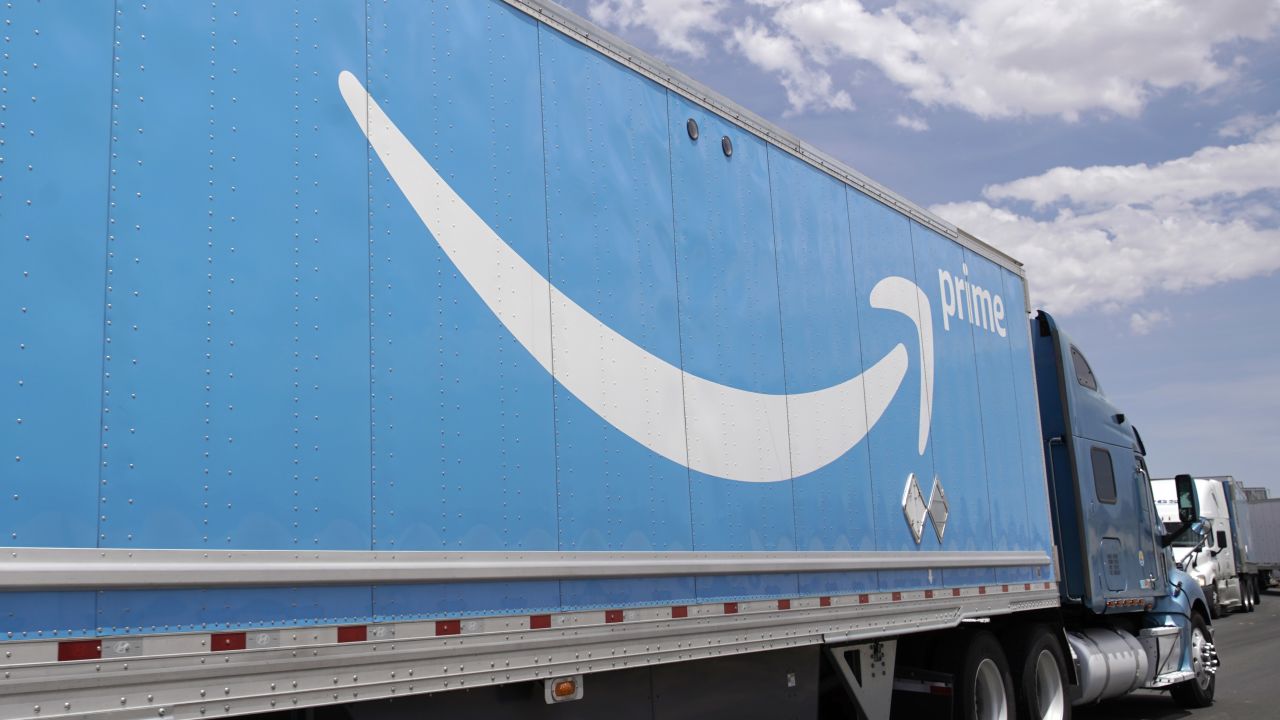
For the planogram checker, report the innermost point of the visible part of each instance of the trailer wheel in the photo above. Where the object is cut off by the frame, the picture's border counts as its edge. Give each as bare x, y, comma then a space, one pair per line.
1040, 673
983, 684
1259, 584
1198, 691
1247, 593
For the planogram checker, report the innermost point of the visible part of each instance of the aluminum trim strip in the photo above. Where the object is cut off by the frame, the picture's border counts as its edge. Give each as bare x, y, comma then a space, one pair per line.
249, 681
632, 57
88, 568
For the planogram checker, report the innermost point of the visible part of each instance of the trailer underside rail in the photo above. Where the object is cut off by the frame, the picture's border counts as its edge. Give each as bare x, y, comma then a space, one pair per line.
230, 673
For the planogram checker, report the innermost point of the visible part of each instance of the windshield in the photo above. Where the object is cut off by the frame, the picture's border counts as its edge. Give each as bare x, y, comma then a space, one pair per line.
1187, 538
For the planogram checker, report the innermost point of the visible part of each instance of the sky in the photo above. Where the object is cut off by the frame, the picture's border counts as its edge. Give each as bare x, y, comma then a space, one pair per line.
1127, 152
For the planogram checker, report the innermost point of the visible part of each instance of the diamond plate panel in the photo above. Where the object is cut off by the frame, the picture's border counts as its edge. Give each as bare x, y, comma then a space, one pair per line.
914, 507
939, 510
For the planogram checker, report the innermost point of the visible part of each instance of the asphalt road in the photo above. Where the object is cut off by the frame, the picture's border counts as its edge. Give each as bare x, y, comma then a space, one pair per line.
1249, 647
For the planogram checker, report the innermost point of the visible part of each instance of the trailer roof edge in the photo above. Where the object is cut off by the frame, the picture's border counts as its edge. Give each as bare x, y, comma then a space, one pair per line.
656, 70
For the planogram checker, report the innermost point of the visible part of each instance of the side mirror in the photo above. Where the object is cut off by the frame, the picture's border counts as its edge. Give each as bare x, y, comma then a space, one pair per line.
1188, 503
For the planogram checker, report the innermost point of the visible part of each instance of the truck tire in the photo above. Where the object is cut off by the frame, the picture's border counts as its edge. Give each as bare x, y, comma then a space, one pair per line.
983, 685
1211, 597
1198, 691
1040, 673
1247, 593
1259, 584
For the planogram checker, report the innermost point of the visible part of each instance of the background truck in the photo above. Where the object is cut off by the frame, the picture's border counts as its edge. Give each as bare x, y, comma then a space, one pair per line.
1264, 547
401, 358
1219, 552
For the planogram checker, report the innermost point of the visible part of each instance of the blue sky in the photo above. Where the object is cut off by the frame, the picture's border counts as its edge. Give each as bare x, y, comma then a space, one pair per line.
1128, 153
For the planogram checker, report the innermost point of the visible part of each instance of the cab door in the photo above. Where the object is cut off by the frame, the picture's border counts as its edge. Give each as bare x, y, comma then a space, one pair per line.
1116, 517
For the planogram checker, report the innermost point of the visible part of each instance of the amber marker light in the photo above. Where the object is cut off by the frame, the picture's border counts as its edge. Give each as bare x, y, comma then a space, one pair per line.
563, 689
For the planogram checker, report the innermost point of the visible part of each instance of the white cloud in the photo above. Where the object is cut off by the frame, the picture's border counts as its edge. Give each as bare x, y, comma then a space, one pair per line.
1211, 171
993, 58
806, 87
1246, 125
1000, 58
1143, 322
1108, 236
911, 122
679, 25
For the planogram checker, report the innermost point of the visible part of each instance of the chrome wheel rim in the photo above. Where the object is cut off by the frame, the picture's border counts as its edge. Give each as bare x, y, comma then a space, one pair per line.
989, 699
1203, 678
1051, 696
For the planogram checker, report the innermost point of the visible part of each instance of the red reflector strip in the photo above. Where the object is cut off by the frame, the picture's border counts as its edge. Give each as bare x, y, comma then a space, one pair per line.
824, 602
539, 622
448, 627
679, 611
353, 633
955, 592
940, 690
864, 599
1027, 587
897, 597
613, 616
79, 650
982, 590
928, 594
730, 608
1004, 588
220, 642
1046, 586
784, 604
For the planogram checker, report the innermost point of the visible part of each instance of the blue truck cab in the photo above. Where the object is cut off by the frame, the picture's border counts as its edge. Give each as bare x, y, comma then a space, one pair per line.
1120, 585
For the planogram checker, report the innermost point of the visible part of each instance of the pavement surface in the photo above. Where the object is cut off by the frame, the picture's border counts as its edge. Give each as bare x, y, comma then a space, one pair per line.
1248, 682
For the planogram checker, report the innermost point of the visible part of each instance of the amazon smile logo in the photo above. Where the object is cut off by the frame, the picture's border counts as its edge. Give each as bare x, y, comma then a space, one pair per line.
696, 422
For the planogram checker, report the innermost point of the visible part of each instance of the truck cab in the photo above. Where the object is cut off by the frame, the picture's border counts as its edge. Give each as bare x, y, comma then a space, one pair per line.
1133, 617
1206, 550
1110, 534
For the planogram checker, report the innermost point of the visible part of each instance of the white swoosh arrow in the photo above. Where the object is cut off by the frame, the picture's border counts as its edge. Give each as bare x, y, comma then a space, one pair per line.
731, 433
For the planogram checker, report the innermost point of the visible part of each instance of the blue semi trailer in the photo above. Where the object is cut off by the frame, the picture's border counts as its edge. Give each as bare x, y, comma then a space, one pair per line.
401, 358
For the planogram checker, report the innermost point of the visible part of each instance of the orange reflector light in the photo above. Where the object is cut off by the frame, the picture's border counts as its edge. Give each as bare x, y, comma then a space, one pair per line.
562, 689
565, 688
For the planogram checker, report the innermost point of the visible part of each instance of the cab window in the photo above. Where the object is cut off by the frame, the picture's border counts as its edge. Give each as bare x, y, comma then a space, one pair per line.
1084, 374
1104, 475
